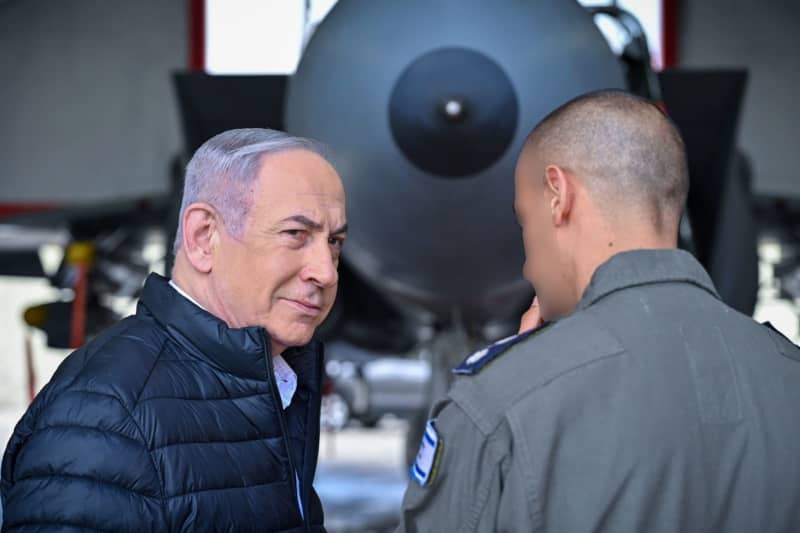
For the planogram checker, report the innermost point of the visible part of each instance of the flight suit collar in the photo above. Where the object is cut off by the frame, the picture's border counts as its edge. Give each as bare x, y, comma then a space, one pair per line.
645, 267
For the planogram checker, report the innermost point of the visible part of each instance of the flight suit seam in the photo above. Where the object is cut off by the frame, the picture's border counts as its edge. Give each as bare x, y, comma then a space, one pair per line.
534, 500
472, 521
473, 414
487, 426
564, 373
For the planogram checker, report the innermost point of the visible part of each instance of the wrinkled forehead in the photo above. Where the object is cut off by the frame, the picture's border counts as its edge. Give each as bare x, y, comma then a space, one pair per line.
299, 181
299, 172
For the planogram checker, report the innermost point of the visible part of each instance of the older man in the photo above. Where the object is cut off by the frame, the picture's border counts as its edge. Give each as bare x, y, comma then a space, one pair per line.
200, 412
647, 404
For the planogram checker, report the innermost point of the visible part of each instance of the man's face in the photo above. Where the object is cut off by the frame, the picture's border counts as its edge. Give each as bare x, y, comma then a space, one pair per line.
532, 204
281, 274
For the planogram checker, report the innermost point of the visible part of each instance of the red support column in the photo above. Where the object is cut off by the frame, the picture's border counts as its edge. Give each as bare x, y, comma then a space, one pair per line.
197, 34
669, 32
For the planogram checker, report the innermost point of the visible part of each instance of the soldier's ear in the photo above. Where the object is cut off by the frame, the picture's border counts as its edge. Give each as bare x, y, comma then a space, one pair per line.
200, 228
561, 189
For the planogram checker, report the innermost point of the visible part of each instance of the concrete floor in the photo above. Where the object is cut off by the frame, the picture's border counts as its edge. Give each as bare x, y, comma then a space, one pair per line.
362, 477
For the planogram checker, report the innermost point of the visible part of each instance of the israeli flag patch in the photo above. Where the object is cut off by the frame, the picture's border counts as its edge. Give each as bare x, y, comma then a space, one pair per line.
424, 468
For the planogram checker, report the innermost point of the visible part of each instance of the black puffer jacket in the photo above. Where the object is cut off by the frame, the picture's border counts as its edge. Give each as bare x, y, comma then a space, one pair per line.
168, 421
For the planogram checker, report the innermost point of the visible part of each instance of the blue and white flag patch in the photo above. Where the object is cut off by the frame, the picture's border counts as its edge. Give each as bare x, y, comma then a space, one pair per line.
424, 468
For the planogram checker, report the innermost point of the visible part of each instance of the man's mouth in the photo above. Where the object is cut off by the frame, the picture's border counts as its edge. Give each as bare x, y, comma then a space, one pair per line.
305, 306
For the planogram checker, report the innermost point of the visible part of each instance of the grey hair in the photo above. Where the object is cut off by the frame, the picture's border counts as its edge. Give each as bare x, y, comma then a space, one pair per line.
223, 171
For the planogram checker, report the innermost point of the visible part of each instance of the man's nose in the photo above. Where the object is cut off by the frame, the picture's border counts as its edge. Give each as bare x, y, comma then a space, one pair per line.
321, 268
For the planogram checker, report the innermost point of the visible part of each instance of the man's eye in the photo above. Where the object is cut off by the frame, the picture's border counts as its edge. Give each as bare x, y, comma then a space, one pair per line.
336, 242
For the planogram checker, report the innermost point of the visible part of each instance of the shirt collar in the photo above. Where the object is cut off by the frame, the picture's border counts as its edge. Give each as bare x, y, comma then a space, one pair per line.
185, 295
286, 378
645, 267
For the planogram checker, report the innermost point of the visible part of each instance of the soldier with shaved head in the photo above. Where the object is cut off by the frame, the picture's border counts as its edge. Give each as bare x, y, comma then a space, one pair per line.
633, 399
603, 174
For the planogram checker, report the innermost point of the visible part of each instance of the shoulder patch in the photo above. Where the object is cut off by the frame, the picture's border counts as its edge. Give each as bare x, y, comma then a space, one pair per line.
423, 471
475, 362
792, 351
776, 330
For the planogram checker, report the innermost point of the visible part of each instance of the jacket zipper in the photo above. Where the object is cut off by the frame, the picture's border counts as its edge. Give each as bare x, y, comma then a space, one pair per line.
284, 431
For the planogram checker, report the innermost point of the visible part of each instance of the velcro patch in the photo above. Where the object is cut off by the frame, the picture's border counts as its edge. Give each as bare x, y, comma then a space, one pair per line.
424, 468
476, 361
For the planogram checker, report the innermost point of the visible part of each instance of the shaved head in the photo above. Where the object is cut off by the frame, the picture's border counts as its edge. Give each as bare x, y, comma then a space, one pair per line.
628, 153
604, 173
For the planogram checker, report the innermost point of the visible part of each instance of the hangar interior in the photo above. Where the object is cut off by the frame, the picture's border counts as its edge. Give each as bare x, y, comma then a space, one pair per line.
425, 105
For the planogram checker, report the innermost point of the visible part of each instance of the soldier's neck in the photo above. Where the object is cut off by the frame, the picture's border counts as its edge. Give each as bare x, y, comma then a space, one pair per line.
606, 244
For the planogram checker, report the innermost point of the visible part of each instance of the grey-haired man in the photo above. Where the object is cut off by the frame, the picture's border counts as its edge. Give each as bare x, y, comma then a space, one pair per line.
200, 412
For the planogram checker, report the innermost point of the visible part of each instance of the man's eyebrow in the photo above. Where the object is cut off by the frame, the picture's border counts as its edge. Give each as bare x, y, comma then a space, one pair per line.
305, 221
313, 225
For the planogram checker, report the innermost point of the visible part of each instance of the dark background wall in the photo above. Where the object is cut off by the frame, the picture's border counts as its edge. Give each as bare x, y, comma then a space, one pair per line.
763, 36
87, 112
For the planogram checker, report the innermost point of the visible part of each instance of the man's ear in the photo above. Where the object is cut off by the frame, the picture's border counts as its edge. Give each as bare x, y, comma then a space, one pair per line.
561, 192
200, 235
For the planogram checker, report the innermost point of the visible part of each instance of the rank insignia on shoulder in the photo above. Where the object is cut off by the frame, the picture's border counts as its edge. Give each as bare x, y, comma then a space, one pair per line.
423, 471
779, 332
475, 362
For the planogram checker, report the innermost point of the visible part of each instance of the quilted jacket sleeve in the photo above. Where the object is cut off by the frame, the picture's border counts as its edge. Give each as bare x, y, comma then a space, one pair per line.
79, 462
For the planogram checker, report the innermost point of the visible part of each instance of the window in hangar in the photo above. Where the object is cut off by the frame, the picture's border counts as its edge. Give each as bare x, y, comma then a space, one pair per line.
267, 36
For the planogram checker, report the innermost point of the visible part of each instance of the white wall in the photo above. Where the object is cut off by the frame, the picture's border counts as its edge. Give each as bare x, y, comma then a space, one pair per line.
19, 294
86, 103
